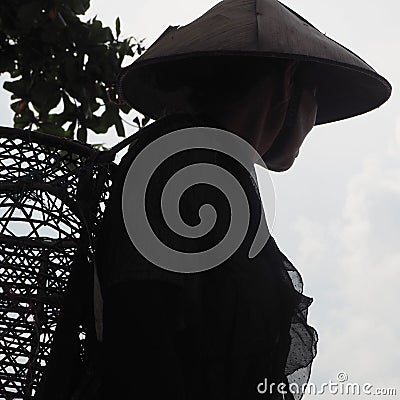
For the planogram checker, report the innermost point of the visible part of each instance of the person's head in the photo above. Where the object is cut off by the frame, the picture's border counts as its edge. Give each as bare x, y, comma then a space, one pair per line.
271, 103
212, 64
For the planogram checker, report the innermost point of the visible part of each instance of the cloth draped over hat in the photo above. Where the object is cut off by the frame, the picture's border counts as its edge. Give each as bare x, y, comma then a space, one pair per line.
261, 31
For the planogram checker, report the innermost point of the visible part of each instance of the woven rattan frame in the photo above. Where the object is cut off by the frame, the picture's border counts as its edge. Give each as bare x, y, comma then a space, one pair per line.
52, 196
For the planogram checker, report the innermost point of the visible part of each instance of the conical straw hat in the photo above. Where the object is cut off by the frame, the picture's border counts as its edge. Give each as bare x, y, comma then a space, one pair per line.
262, 30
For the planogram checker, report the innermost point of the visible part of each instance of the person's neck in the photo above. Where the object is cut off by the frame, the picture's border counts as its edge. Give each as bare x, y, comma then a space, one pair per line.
248, 122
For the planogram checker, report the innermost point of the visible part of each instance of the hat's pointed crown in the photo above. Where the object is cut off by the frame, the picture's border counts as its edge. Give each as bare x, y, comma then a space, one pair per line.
347, 85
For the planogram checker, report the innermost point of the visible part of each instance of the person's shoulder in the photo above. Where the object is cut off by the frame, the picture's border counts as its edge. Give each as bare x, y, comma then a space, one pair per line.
156, 129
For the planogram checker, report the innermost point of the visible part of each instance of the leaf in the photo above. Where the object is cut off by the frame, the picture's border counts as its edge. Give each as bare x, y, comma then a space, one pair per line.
70, 130
118, 27
18, 106
145, 121
15, 73
45, 96
51, 129
80, 6
24, 118
82, 134
136, 121
98, 34
119, 126
125, 108
16, 87
99, 124
69, 107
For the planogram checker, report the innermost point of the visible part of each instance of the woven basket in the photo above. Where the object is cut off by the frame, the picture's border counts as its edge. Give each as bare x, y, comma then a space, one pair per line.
52, 195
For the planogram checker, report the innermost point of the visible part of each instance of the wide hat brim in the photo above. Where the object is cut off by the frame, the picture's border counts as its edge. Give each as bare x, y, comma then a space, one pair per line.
261, 31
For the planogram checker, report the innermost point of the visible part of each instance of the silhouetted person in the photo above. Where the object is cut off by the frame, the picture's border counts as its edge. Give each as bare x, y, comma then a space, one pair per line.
260, 71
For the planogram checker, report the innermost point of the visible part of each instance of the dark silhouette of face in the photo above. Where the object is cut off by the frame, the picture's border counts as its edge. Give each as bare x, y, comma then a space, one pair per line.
274, 115
300, 120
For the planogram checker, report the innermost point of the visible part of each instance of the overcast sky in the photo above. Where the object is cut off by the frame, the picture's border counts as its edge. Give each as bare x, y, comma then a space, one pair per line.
338, 207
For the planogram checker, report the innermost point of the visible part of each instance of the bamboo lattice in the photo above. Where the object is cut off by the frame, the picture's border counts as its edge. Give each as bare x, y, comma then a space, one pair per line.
46, 217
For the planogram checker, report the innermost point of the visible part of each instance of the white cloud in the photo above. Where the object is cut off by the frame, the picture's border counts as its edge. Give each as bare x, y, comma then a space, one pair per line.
360, 259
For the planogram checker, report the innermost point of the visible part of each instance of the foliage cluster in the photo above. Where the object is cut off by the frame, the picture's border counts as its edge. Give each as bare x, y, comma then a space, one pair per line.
62, 69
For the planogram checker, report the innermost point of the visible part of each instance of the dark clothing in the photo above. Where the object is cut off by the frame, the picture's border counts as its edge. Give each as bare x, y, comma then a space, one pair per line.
210, 335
